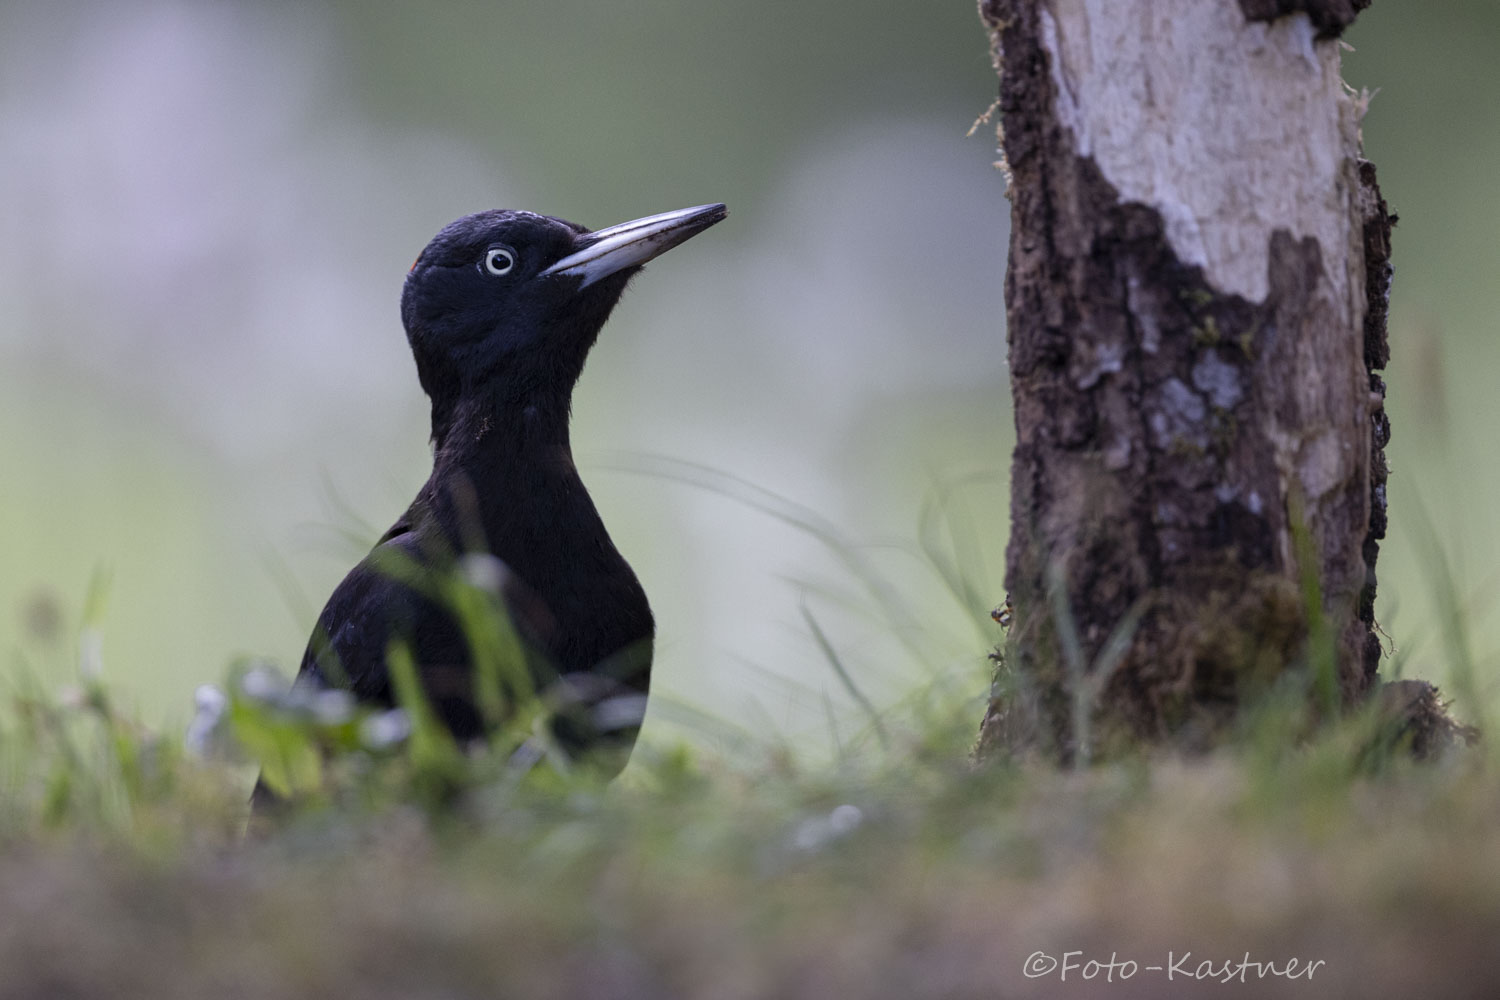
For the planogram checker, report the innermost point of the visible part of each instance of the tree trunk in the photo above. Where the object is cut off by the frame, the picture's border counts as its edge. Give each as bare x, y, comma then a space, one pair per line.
1196, 298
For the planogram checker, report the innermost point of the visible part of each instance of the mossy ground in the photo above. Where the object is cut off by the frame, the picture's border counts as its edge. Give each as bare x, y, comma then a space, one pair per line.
897, 872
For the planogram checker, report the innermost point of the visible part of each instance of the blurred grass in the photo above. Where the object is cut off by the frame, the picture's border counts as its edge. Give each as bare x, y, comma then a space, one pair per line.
897, 872
897, 868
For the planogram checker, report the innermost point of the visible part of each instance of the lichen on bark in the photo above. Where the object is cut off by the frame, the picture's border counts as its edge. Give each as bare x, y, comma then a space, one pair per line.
1179, 420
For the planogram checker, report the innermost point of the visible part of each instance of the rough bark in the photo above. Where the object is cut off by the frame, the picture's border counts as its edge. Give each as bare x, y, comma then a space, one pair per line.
1196, 304
1330, 17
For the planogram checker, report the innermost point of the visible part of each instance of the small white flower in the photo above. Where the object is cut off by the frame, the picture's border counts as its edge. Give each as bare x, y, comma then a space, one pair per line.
484, 571
844, 819
333, 707
387, 729
263, 684
211, 704
818, 831
619, 712
210, 700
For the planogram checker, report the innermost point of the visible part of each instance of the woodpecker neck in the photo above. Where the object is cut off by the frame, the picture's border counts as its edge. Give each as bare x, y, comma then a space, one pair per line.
499, 429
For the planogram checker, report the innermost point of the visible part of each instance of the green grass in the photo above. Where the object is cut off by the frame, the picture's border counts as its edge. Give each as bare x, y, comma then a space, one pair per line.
894, 868
898, 871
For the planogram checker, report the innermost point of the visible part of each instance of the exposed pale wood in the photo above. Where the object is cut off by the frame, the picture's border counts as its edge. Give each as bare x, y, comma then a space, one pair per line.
1187, 300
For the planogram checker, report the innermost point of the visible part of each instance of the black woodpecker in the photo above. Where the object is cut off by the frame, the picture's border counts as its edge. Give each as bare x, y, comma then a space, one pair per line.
501, 309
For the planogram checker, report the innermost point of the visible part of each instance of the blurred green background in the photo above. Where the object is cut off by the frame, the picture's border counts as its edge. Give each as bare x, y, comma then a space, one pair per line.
207, 210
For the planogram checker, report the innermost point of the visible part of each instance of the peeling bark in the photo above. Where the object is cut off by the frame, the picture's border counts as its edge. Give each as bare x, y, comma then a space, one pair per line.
1330, 17
1196, 290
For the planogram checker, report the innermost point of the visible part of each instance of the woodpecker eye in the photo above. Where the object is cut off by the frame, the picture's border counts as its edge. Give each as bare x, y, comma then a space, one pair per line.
499, 261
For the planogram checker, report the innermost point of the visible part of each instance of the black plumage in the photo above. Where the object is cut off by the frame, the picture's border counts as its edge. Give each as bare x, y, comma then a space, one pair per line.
501, 309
